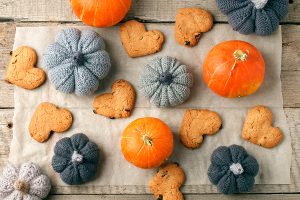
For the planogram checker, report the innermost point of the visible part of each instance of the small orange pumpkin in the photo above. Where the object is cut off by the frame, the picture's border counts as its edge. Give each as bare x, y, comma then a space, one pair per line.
147, 142
100, 13
234, 69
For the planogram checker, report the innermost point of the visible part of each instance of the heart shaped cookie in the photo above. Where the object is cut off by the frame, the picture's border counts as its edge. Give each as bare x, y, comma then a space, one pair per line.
258, 128
137, 41
117, 104
197, 123
46, 119
21, 70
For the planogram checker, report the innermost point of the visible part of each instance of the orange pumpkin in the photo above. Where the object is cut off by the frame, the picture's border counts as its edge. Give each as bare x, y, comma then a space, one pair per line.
147, 142
234, 69
100, 13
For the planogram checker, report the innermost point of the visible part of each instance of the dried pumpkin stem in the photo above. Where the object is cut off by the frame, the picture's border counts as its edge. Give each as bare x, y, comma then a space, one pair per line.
239, 55
147, 140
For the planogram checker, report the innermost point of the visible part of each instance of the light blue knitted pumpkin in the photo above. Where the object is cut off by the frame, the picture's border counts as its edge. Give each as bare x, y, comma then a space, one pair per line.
166, 82
259, 16
232, 169
76, 61
76, 159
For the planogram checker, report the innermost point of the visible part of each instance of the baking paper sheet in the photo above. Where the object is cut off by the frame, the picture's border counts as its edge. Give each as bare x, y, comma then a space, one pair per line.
114, 169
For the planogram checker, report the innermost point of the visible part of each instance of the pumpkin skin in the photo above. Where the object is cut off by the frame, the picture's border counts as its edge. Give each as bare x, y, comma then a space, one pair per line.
147, 142
100, 13
234, 69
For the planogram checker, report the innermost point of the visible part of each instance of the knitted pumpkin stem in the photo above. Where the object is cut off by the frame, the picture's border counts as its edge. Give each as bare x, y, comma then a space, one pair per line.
21, 186
259, 4
77, 158
236, 168
147, 140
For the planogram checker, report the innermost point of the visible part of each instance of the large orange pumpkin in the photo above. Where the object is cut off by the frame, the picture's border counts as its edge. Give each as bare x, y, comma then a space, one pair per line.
100, 13
234, 69
147, 142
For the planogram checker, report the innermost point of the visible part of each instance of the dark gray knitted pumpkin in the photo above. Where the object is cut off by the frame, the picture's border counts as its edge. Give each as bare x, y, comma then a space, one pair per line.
76, 159
232, 169
259, 16
166, 82
77, 61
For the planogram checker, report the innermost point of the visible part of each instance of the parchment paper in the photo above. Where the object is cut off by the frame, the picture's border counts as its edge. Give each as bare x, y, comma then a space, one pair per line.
114, 170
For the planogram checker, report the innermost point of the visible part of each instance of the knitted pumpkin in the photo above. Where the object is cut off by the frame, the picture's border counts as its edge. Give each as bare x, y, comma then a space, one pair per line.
166, 82
76, 159
259, 16
76, 61
24, 182
232, 169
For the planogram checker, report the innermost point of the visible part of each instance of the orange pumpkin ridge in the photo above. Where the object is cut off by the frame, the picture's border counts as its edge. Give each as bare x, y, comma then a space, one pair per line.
234, 69
100, 13
147, 142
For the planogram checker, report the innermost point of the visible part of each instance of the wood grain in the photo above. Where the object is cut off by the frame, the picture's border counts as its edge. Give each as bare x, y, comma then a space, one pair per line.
294, 127
146, 10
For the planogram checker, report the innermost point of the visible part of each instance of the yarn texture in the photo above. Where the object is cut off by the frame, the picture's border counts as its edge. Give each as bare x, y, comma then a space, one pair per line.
24, 182
77, 61
76, 159
232, 169
166, 82
254, 16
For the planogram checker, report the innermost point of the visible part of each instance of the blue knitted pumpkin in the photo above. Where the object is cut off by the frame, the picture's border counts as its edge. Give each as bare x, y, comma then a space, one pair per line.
76, 61
166, 82
232, 169
259, 16
76, 159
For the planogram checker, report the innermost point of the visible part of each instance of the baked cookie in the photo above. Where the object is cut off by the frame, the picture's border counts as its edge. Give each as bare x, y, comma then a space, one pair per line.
258, 128
117, 104
137, 41
166, 183
21, 70
197, 123
190, 24
48, 118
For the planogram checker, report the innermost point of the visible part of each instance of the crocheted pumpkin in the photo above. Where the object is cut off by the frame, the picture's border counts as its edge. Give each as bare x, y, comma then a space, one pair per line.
259, 16
232, 169
76, 61
76, 159
166, 82
24, 182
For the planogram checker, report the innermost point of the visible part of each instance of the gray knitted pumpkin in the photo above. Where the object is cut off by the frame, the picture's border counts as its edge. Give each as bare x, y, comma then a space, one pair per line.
24, 182
76, 61
76, 159
166, 82
232, 169
259, 16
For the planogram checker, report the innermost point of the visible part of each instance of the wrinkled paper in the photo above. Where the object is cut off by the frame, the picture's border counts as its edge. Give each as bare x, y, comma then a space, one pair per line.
115, 170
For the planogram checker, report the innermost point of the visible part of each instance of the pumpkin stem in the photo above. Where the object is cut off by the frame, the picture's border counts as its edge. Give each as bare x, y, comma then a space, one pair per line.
77, 158
236, 168
240, 55
147, 140
259, 4
21, 186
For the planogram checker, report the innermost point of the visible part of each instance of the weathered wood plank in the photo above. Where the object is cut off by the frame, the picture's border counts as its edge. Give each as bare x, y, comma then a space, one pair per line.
187, 197
290, 63
148, 10
293, 117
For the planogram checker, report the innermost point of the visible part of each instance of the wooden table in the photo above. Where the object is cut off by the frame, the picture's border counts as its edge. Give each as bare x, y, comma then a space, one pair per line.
46, 12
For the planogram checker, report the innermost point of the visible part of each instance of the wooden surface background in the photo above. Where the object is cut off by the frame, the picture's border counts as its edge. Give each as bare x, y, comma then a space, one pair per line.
50, 12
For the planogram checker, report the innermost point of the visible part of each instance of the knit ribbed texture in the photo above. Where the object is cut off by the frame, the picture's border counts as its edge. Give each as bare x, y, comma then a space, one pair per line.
259, 16
24, 182
166, 82
77, 61
76, 159
232, 169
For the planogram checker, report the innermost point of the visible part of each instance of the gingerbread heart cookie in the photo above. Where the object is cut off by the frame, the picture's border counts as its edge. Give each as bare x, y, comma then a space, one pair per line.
117, 104
197, 123
166, 184
258, 128
190, 24
46, 119
137, 41
21, 70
